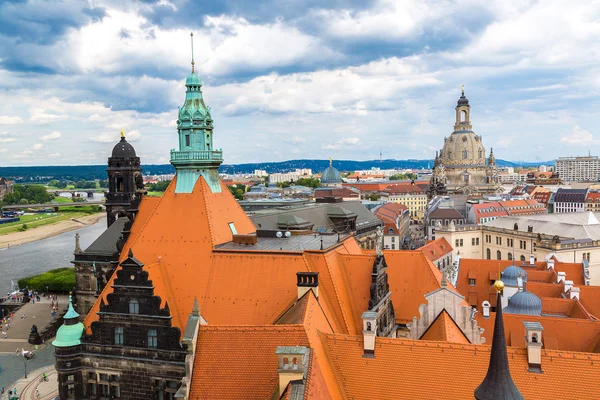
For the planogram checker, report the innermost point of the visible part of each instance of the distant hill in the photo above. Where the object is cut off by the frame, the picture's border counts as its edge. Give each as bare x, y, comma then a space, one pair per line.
89, 172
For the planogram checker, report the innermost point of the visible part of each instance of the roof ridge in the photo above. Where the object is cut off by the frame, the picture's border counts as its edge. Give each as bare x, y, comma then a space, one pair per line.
336, 290
340, 382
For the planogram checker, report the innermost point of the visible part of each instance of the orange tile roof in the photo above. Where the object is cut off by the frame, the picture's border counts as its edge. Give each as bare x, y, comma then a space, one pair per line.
367, 187
232, 287
223, 352
411, 276
589, 296
424, 364
444, 329
569, 334
436, 249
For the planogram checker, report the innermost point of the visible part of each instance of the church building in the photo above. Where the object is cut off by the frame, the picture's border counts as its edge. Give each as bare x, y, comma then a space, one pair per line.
461, 166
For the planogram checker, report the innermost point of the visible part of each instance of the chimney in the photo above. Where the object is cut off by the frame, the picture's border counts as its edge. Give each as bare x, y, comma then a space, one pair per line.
562, 276
293, 364
369, 333
534, 345
568, 285
551, 263
532, 260
486, 309
306, 282
574, 293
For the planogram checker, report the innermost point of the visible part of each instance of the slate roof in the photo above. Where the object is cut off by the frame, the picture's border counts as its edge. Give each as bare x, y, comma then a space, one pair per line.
583, 225
317, 213
570, 195
106, 243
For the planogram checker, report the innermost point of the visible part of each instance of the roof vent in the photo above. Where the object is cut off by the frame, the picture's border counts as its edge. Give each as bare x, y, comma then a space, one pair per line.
250, 239
306, 282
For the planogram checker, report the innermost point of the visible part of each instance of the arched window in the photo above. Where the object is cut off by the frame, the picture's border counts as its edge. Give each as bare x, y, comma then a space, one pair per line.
498, 255
488, 253
534, 338
134, 307
286, 363
295, 363
510, 257
369, 326
522, 258
480, 153
463, 116
465, 154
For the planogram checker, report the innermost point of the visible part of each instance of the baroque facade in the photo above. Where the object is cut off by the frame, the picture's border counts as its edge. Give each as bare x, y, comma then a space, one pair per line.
461, 166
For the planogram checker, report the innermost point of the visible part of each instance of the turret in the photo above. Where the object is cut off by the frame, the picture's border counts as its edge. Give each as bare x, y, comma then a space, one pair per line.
196, 156
125, 182
67, 349
463, 114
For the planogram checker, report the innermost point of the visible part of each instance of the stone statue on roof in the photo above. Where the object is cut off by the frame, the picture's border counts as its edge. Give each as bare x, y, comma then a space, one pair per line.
379, 241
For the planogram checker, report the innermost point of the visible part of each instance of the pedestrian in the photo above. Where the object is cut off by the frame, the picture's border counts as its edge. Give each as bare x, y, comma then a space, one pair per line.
4, 334
37, 393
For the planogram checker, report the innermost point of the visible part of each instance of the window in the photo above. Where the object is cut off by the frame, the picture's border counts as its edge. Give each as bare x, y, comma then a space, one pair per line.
465, 154
476, 241
510, 257
165, 390
393, 246
473, 242
119, 337
488, 254
456, 243
232, 228
471, 282
134, 307
498, 255
393, 239
152, 338
187, 140
522, 258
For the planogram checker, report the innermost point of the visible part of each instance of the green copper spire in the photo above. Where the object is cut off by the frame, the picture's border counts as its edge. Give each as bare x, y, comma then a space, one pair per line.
69, 334
196, 156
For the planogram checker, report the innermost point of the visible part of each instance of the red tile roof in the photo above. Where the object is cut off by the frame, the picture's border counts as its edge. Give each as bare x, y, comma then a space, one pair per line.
444, 329
436, 249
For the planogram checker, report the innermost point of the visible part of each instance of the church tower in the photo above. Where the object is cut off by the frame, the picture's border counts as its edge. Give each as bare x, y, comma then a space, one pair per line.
125, 182
196, 156
463, 111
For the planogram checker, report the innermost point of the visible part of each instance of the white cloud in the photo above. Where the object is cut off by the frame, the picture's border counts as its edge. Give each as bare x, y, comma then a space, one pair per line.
3, 150
133, 136
578, 136
5, 120
6, 140
54, 155
106, 137
38, 146
54, 135
504, 142
347, 142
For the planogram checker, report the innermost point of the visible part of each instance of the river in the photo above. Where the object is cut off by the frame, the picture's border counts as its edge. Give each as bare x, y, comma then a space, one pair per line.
36, 257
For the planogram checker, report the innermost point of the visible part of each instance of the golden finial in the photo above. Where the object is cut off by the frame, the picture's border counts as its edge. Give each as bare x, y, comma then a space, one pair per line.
463, 89
123, 133
499, 285
330, 161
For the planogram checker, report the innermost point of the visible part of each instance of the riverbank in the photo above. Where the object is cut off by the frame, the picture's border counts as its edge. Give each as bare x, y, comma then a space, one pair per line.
46, 231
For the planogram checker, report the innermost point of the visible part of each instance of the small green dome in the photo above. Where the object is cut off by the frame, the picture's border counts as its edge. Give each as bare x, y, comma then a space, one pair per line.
69, 335
193, 80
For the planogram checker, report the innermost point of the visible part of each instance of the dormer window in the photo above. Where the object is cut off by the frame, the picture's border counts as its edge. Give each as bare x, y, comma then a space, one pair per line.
295, 363
134, 307
472, 282
286, 363
368, 326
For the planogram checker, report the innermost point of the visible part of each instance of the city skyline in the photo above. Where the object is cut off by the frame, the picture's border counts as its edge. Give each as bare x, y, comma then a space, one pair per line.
357, 79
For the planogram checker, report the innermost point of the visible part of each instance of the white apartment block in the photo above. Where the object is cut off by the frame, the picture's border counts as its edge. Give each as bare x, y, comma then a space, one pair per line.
577, 169
304, 171
260, 173
283, 177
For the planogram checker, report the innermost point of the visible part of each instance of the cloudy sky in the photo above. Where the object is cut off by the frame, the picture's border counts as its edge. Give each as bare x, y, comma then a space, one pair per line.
298, 78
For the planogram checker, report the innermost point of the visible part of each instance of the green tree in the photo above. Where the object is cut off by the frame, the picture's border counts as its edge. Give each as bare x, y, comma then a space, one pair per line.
61, 184
53, 183
238, 191
160, 186
104, 184
309, 182
283, 184
78, 200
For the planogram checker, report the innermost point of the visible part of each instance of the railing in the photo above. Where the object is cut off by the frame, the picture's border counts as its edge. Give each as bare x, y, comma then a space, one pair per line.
187, 155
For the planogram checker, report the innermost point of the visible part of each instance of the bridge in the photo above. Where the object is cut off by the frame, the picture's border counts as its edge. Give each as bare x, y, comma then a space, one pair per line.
89, 192
54, 206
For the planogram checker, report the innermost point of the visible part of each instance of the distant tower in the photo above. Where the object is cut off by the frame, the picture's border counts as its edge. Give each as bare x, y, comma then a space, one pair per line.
196, 156
125, 182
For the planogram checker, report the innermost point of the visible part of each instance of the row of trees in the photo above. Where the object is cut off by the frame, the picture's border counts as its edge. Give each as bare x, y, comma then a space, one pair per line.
403, 177
308, 182
160, 186
28, 194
